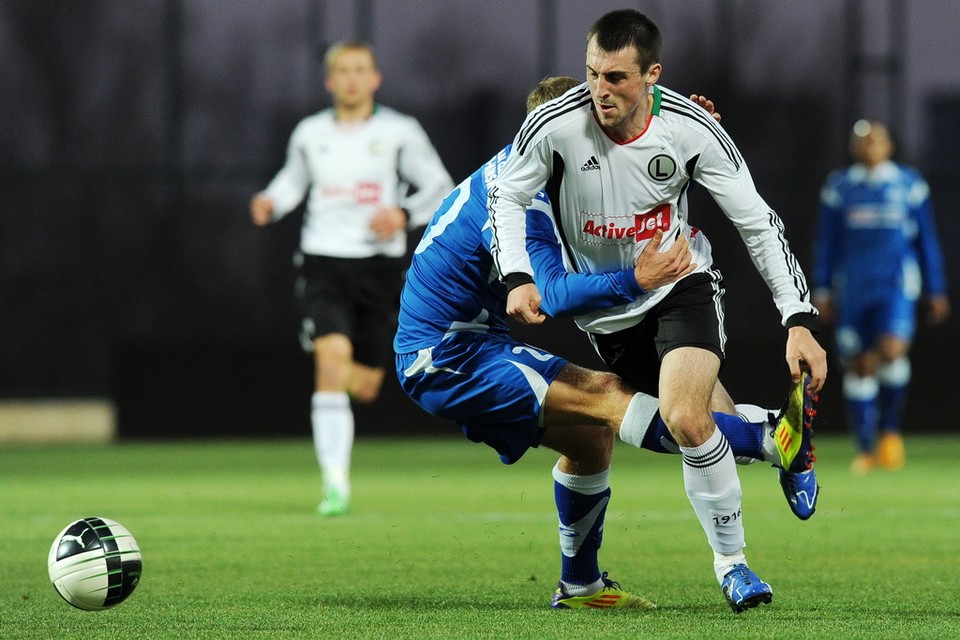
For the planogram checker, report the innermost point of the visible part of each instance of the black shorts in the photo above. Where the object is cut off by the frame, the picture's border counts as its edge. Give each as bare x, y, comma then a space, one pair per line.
358, 297
691, 315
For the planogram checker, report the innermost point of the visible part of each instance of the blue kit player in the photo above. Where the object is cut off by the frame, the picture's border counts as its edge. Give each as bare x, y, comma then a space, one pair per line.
876, 253
456, 359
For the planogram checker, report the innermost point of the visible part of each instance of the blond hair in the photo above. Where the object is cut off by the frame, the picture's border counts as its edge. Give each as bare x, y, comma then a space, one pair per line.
549, 88
348, 45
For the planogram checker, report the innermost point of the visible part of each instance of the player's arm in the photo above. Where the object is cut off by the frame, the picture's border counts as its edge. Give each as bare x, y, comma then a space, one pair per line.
763, 233
564, 293
419, 165
825, 248
928, 249
521, 177
289, 186
931, 260
722, 171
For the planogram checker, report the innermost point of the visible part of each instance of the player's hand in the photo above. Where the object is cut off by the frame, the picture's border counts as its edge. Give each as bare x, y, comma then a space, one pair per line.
523, 304
387, 222
804, 353
261, 209
706, 104
938, 310
654, 269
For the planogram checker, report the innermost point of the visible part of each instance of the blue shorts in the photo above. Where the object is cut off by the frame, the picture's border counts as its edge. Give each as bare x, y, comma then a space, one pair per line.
861, 321
489, 384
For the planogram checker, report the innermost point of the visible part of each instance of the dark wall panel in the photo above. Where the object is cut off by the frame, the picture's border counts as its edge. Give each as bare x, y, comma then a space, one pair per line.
134, 134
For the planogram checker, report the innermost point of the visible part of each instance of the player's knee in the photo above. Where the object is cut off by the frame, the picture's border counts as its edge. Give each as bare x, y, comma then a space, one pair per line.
334, 347
365, 394
865, 364
688, 425
365, 383
890, 351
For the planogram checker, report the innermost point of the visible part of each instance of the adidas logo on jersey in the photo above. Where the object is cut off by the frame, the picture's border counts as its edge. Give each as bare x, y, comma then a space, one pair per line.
591, 165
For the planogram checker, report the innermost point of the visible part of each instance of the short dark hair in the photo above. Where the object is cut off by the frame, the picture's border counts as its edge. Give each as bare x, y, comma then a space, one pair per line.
548, 89
628, 28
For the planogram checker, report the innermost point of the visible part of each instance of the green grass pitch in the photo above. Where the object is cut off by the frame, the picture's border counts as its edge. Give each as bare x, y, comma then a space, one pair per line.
445, 542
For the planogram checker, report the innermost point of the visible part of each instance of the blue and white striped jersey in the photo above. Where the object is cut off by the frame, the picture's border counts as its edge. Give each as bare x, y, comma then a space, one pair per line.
451, 282
876, 231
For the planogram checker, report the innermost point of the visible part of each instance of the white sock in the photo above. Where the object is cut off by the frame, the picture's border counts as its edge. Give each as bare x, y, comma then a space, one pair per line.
754, 413
332, 420
713, 488
722, 563
894, 374
637, 418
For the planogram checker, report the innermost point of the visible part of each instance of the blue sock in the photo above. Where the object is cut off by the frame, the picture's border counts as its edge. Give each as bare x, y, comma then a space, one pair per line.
581, 507
745, 438
893, 377
893, 401
860, 396
863, 417
657, 434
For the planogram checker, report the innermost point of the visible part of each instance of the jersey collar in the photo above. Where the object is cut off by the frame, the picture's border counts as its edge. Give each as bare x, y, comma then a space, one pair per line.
657, 97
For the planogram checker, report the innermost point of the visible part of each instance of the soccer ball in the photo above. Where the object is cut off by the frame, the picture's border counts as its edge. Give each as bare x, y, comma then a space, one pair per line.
94, 563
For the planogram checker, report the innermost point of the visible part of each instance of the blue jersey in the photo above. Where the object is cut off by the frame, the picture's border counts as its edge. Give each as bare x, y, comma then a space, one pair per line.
455, 357
877, 235
451, 283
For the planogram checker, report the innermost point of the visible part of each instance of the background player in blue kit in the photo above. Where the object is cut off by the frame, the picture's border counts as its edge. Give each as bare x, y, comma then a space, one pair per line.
457, 360
876, 252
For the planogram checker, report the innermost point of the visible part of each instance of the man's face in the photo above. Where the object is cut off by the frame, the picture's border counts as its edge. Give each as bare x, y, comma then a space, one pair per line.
618, 86
352, 78
874, 146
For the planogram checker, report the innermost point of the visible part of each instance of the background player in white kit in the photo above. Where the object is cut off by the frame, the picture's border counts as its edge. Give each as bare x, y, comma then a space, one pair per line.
616, 158
371, 173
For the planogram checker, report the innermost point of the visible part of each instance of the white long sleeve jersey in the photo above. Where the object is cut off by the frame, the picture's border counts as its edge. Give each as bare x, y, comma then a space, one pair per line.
351, 171
610, 198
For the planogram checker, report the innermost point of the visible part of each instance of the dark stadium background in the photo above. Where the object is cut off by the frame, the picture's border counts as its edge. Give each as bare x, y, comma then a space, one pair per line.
134, 133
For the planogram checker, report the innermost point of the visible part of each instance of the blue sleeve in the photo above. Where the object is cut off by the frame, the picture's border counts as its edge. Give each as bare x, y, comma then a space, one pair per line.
826, 248
929, 253
566, 294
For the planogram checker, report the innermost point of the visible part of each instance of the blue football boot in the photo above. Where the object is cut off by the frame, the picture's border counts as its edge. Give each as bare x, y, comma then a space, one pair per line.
744, 590
801, 491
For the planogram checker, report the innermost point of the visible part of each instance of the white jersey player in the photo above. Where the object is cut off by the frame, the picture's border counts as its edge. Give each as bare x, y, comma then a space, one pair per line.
613, 196
456, 359
616, 157
371, 173
352, 171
